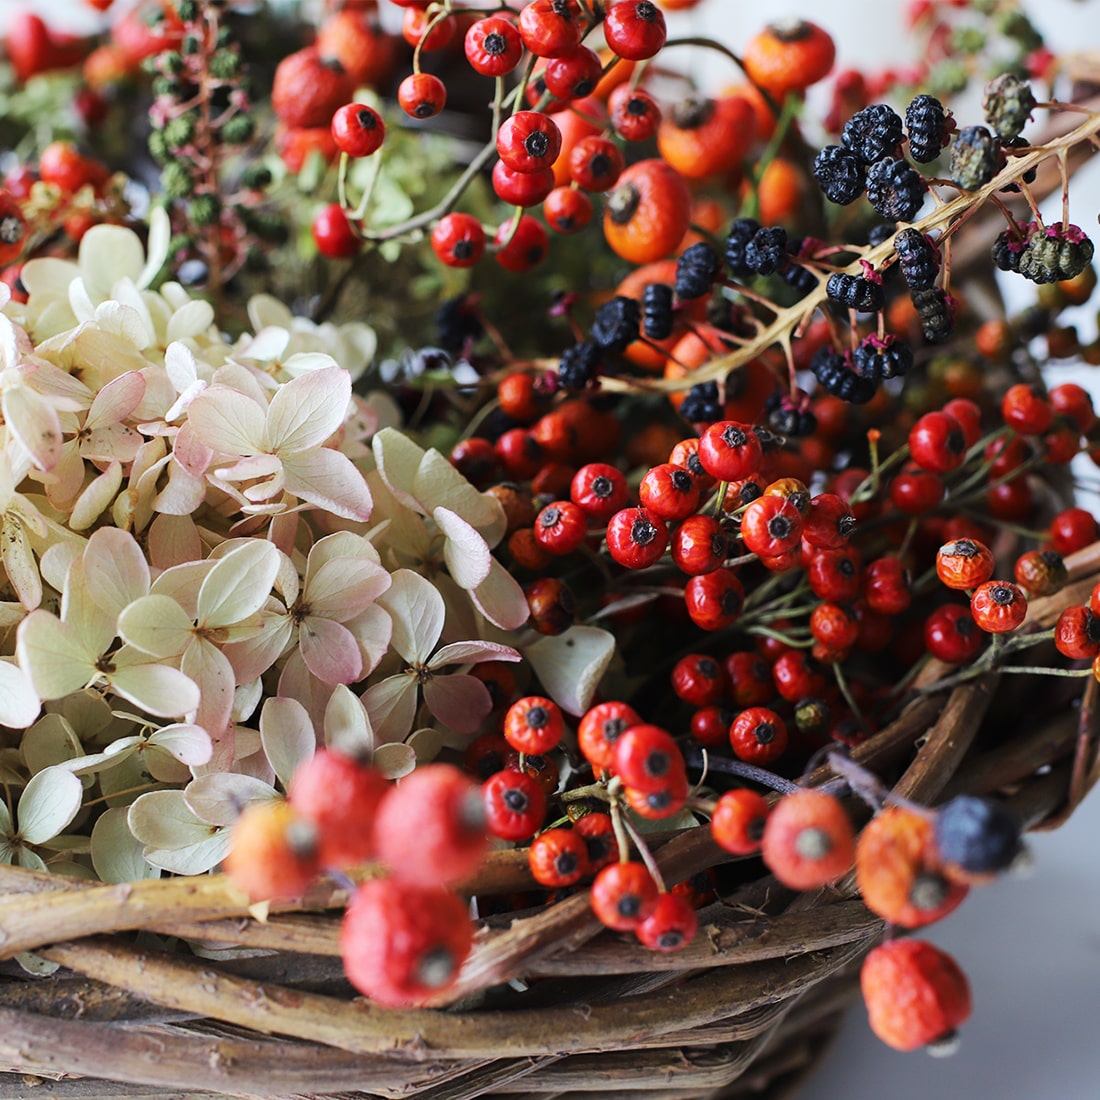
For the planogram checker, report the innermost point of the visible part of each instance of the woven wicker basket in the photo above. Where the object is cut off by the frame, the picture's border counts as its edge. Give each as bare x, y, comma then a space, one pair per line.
744, 1009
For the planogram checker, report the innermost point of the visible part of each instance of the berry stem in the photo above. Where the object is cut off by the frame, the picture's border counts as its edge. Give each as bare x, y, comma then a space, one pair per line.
695, 757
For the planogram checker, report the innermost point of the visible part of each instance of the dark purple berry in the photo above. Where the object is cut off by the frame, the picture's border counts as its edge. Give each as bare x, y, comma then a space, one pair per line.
657, 311
835, 376
936, 311
615, 325
741, 232
928, 126
895, 189
579, 365
696, 270
766, 252
701, 404
839, 173
885, 357
977, 834
873, 133
918, 259
855, 292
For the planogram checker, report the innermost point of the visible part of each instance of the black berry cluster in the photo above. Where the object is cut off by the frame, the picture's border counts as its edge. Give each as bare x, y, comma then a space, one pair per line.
936, 311
615, 325
929, 126
835, 375
873, 133
855, 292
1055, 253
877, 357
766, 251
918, 259
580, 365
657, 311
895, 189
458, 324
696, 270
701, 404
839, 173
737, 240
788, 417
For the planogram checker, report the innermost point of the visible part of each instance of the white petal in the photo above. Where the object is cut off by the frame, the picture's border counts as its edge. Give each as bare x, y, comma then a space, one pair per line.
418, 613
191, 320
97, 497
227, 421
287, 736
116, 401
239, 585
212, 674
398, 459
109, 253
19, 702
347, 728
192, 859
160, 235
570, 665
115, 569
395, 759
372, 628
19, 563
220, 797
188, 743
163, 819
49, 802
471, 653
52, 656
307, 410
439, 485
156, 625
330, 481
159, 689
33, 421
343, 587
465, 551
391, 706
500, 598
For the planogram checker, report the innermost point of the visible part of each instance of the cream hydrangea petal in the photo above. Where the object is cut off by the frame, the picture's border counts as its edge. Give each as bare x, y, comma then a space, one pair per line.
265, 310
159, 241
33, 421
227, 421
439, 485
372, 628
186, 742
96, 497
418, 612
191, 320
398, 458
49, 802
254, 656
156, 625
395, 760
19, 702
192, 859
472, 653
465, 551
132, 323
500, 598
330, 481
159, 689
329, 650
116, 852
19, 564
52, 655
570, 665
303, 362
115, 569
347, 726
238, 585
342, 587
307, 410
219, 798
212, 673
94, 627
266, 346
287, 736
115, 401
173, 540
391, 706
107, 254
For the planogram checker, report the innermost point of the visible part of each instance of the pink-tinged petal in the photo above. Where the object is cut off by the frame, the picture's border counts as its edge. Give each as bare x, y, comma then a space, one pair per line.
115, 569
329, 650
460, 702
116, 401
67, 477
259, 465
464, 550
340, 544
19, 563
297, 682
472, 653
182, 495
227, 421
307, 410
33, 421
158, 689
500, 599
342, 587
330, 481
391, 707
190, 451
19, 702
172, 541
96, 498
347, 727
52, 655
116, 441
211, 671
94, 627
253, 657
372, 628
398, 459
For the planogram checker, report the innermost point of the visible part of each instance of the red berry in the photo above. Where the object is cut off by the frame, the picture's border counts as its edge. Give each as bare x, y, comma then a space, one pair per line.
340, 796
667, 800
524, 249
698, 679
828, 521
534, 724
567, 210
425, 32
636, 538
430, 829
521, 188
623, 895
808, 840
998, 606
750, 679
1041, 572
951, 635
599, 490
635, 114
404, 943
595, 163
886, 586
669, 491
1073, 529
937, 443
699, 545
422, 95
635, 29
558, 857
729, 451
915, 491
770, 526
969, 416
670, 926
573, 75
1074, 403
274, 853
710, 726
515, 804
599, 729
646, 757
835, 574
758, 736
964, 563
357, 129
333, 233
797, 676
714, 600
458, 240
561, 527
737, 823
493, 46
528, 140
308, 89
834, 626
915, 993
1077, 633
598, 831
1027, 409
550, 28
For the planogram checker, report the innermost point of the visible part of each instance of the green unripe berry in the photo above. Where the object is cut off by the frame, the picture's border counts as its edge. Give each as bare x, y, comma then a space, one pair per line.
256, 177
176, 180
204, 209
187, 10
165, 86
190, 44
158, 147
179, 131
225, 64
169, 62
238, 130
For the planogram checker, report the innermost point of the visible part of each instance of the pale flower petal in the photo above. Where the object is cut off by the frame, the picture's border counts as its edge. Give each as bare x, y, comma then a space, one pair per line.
500, 598
96, 497
160, 689
472, 653
458, 701
347, 727
51, 654
190, 320
307, 410
115, 569
116, 401
329, 650
418, 613
109, 253
159, 240
287, 736
465, 551
19, 563
188, 743
19, 702
395, 759
391, 705
33, 421
328, 480
156, 625
398, 459
227, 421
49, 802
342, 587
238, 586
570, 665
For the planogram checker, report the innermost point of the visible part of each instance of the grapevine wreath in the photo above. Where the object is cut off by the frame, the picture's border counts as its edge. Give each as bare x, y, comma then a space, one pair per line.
523, 573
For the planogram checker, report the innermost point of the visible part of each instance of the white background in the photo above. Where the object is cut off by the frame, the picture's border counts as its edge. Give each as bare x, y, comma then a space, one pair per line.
1030, 946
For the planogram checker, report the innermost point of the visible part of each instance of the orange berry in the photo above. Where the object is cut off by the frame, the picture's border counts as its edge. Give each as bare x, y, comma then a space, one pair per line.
788, 57
274, 853
915, 993
808, 840
648, 212
781, 192
706, 137
898, 871
367, 53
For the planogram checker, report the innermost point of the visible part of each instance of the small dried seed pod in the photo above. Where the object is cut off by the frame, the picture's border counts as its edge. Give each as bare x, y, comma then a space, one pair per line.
1008, 104
975, 158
